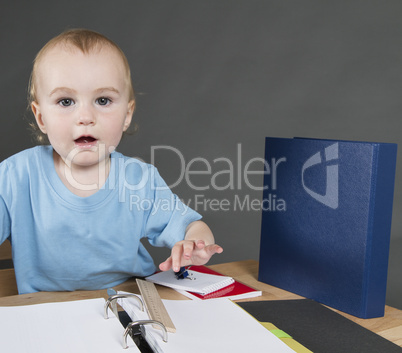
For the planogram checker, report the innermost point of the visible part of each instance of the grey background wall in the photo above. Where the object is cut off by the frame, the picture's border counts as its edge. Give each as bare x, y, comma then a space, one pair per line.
213, 78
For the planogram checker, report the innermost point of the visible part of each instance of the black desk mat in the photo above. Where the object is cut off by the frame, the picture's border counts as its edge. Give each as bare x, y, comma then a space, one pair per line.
318, 328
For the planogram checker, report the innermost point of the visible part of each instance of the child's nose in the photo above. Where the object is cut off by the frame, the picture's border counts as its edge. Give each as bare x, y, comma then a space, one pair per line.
86, 116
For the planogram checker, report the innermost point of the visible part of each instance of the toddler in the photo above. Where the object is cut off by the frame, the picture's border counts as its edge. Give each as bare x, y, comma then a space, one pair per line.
65, 206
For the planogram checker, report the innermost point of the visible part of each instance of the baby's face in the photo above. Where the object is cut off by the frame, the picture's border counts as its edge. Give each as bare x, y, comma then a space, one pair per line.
82, 103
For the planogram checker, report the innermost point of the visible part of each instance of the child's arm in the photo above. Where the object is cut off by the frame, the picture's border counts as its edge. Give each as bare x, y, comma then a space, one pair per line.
196, 249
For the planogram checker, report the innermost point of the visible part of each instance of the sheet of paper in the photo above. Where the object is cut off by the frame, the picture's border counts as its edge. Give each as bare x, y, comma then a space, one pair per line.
77, 326
215, 325
197, 282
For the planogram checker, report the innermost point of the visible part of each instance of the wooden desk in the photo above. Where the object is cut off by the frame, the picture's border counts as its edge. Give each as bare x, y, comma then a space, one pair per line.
389, 326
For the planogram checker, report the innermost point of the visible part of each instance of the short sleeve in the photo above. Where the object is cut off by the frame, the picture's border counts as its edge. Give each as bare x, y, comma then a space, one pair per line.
168, 217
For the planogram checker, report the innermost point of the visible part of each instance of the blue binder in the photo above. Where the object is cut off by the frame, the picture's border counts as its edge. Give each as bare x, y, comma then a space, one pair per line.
326, 221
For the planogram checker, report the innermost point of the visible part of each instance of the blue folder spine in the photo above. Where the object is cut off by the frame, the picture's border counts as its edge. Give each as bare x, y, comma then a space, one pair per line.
380, 218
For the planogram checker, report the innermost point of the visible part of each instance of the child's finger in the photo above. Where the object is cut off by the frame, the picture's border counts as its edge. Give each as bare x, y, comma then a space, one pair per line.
166, 265
200, 244
176, 254
214, 249
188, 248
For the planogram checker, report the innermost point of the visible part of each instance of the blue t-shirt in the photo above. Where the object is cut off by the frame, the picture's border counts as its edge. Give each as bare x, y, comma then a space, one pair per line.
63, 242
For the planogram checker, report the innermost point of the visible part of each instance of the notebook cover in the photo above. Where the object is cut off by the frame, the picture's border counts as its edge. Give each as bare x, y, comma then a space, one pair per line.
326, 221
318, 328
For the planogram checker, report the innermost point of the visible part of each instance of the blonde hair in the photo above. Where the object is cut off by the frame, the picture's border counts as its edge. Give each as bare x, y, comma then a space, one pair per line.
85, 40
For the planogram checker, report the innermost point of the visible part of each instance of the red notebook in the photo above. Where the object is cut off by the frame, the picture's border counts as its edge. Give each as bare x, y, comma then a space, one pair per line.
235, 291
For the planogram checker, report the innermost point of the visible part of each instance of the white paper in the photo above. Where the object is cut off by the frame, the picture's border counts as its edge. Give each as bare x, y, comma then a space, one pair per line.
202, 283
212, 326
77, 326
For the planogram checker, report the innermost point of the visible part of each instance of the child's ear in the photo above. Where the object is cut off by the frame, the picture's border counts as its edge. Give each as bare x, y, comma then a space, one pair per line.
129, 115
38, 116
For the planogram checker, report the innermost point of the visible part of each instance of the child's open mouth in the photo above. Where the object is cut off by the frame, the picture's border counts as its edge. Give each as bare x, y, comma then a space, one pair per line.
86, 141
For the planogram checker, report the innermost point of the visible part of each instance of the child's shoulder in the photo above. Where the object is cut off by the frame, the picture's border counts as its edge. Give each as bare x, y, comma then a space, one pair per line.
25, 164
27, 156
135, 171
131, 162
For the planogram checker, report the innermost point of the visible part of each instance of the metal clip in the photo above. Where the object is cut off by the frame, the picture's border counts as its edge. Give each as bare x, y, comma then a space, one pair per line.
141, 323
117, 296
183, 273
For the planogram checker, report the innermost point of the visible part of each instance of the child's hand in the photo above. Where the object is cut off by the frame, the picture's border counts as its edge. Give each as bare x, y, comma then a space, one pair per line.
189, 252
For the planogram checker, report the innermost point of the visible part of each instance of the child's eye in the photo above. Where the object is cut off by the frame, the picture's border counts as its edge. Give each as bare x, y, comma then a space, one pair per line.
103, 101
66, 102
